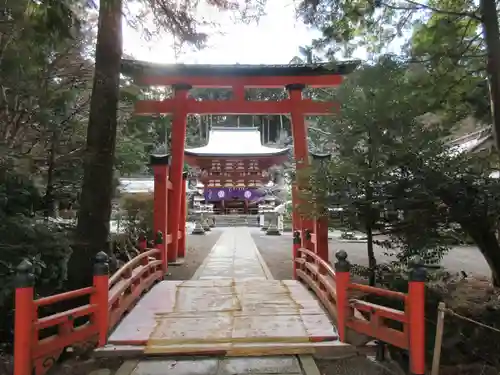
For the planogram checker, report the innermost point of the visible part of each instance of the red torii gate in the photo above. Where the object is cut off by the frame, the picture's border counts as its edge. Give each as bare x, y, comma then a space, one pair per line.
110, 297
293, 78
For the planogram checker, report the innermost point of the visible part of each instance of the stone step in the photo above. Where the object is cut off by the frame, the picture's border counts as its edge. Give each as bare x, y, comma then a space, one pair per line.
236, 220
282, 365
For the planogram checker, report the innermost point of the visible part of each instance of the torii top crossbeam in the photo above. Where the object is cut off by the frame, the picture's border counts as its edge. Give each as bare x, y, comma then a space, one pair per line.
238, 78
248, 76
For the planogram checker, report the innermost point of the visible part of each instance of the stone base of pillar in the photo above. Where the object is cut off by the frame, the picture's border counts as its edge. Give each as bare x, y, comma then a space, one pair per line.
273, 231
179, 261
198, 229
206, 227
212, 223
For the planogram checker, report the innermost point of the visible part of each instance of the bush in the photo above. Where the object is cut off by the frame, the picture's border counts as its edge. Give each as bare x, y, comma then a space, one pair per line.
466, 343
138, 215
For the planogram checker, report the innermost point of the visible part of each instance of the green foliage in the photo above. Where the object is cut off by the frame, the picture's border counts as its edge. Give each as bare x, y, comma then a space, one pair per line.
26, 235
138, 215
392, 169
451, 48
393, 172
442, 38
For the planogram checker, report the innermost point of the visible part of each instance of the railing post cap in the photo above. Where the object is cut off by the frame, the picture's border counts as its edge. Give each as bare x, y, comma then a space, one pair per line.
24, 276
101, 266
418, 271
296, 237
159, 238
341, 255
342, 264
308, 234
101, 257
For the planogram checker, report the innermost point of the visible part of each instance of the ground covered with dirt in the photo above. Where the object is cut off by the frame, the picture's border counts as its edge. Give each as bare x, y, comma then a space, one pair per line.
458, 259
277, 253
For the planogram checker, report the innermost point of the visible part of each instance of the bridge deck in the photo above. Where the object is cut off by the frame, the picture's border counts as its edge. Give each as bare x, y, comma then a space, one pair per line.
233, 306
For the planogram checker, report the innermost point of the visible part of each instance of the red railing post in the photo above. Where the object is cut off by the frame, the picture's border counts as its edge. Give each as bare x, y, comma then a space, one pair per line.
296, 246
161, 214
321, 231
342, 280
307, 239
416, 301
163, 251
296, 220
143, 242
181, 251
24, 319
100, 297
321, 222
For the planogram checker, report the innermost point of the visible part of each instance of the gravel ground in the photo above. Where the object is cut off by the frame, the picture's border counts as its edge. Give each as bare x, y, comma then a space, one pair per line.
277, 252
198, 248
357, 365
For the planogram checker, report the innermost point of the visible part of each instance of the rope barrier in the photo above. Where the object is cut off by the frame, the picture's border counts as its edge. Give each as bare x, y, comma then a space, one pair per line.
438, 341
451, 312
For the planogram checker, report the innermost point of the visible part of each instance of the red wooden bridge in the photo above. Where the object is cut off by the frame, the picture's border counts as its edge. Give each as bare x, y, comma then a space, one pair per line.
232, 306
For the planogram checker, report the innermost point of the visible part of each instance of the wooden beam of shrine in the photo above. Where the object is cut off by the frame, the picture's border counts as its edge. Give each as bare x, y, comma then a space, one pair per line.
245, 81
234, 107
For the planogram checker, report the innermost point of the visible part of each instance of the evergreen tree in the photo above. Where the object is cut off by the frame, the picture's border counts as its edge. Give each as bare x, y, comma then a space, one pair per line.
394, 175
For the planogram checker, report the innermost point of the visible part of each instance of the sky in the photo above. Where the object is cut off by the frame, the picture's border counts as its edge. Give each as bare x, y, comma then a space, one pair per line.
275, 39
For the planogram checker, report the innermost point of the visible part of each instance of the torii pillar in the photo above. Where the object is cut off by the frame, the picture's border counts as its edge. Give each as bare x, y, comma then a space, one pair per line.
181, 247
179, 123
160, 164
301, 155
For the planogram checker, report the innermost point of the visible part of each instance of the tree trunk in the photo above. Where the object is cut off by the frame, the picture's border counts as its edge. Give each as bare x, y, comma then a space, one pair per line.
492, 41
97, 188
486, 241
48, 199
372, 261
479, 229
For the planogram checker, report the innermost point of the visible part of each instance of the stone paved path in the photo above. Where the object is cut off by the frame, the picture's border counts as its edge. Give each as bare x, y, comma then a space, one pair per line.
234, 256
289, 365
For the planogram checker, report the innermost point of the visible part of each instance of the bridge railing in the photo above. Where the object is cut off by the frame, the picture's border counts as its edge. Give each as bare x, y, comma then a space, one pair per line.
40, 340
334, 289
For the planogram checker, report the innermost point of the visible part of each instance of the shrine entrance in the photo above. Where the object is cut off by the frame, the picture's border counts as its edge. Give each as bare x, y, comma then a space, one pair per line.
233, 169
232, 305
294, 79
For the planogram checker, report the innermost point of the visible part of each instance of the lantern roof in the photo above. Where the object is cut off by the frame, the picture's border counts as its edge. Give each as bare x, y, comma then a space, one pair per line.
234, 142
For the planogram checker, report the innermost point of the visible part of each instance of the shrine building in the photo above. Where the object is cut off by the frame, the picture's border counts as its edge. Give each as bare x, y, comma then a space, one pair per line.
234, 168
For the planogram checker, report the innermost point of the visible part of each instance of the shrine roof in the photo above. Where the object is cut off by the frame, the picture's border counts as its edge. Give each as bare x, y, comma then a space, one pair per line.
135, 67
228, 142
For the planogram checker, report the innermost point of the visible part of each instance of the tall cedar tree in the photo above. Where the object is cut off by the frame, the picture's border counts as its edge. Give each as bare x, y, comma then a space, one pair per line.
97, 188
